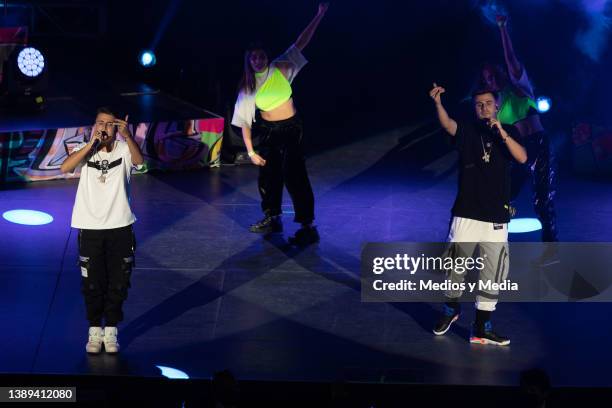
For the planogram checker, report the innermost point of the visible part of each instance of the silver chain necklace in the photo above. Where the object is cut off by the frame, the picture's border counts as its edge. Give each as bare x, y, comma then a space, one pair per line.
104, 164
486, 157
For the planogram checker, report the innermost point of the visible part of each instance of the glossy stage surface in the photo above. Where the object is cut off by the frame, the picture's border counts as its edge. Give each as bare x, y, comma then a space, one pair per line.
208, 295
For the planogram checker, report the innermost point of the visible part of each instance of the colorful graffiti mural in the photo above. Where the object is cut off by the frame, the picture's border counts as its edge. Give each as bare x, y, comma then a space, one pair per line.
34, 155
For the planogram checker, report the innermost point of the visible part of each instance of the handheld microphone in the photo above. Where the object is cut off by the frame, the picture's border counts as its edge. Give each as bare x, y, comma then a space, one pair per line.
96, 142
495, 130
487, 123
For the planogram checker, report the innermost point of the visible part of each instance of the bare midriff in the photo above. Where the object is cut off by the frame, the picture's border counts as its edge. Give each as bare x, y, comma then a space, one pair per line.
284, 111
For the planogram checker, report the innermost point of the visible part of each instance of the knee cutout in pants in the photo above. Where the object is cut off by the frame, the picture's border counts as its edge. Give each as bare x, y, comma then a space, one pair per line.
84, 264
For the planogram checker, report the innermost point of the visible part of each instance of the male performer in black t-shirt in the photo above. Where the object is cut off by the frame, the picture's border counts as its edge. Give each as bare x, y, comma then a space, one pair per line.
481, 209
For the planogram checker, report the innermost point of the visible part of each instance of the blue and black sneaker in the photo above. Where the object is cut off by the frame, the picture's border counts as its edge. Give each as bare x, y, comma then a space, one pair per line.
486, 335
449, 315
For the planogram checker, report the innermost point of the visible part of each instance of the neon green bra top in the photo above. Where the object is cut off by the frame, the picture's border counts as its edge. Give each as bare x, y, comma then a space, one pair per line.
514, 108
275, 91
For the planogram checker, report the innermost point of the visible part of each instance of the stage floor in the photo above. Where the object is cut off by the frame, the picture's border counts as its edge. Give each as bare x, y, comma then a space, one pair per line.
208, 295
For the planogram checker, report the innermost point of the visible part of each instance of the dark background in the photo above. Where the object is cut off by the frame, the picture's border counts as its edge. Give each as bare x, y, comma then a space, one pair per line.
371, 63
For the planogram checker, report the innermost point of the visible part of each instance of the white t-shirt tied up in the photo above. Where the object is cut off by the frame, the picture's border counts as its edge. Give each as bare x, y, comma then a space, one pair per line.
244, 110
104, 205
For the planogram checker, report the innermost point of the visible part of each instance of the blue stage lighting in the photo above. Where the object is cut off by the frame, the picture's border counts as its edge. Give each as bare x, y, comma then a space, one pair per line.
147, 58
520, 225
173, 373
31, 62
543, 104
27, 217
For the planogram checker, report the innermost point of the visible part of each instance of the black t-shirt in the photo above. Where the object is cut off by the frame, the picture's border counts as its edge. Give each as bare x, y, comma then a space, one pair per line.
484, 188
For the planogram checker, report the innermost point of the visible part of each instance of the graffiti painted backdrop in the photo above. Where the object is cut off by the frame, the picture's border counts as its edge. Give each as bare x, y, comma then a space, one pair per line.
34, 155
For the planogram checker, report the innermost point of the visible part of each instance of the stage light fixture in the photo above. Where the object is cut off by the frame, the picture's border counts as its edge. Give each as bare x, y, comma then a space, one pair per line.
543, 103
25, 80
147, 58
31, 62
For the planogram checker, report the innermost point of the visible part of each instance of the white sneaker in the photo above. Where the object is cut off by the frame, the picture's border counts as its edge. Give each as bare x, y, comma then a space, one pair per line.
94, 344
110, 340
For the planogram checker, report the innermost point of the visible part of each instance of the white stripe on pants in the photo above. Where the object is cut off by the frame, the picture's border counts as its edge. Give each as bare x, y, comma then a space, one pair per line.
493, 247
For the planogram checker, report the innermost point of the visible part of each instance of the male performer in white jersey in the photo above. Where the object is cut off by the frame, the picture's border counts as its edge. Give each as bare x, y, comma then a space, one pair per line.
104, 218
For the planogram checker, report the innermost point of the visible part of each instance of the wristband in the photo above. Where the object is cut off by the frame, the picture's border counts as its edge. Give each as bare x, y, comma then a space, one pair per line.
251, 153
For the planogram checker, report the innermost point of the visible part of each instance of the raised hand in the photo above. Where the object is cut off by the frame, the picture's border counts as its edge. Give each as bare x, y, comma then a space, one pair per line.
122, 127
436, 93
496, 124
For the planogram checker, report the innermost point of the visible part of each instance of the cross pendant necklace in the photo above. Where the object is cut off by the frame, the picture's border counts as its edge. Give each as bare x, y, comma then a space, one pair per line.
486, 157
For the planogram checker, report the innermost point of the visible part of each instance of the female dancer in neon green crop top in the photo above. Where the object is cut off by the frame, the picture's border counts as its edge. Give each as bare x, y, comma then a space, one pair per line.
518, 109
264, 108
